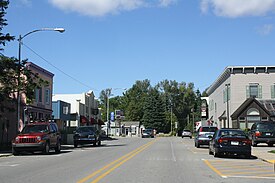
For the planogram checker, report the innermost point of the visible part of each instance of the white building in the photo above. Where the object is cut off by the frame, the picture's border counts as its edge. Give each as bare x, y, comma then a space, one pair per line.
84, 108
233, 87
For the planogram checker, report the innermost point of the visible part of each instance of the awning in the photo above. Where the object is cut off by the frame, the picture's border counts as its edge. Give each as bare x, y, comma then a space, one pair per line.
83, 120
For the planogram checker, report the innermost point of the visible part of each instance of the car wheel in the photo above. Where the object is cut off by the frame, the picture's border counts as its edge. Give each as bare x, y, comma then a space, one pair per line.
58, 147
14, 152
46, 148
75, 144
248, 155
210, 152
198, 145
94, 144
99, 143
254, 144
216, 154
270, 144
190, 137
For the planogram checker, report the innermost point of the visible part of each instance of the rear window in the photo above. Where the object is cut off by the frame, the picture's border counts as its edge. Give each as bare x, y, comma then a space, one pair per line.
208, 129
231, 133
266, 126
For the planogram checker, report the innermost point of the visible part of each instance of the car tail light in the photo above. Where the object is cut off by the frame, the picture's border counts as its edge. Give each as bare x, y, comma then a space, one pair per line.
247, 142
257, 133
222, 141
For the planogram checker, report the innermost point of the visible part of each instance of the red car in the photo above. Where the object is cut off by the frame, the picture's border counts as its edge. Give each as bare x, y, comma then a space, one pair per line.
38, 136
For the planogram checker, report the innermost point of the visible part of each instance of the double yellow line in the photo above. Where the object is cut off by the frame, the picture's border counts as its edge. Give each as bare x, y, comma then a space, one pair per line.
115, 164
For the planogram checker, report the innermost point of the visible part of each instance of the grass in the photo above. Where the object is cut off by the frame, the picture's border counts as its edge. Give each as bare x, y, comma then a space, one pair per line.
273, 151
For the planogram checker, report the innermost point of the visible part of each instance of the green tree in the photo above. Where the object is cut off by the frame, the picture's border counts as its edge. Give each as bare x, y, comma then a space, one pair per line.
11, 71
135, 98
154, 111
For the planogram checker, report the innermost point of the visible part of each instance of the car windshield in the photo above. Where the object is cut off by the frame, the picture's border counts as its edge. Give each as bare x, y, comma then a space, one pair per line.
85, 129
232, 133
266, 127
35, 129
147, 131
209, 129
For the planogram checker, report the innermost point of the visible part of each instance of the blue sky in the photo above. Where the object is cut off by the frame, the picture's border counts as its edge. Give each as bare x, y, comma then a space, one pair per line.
113, 43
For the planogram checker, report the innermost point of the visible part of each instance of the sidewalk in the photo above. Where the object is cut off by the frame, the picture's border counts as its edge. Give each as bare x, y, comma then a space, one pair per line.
262, 153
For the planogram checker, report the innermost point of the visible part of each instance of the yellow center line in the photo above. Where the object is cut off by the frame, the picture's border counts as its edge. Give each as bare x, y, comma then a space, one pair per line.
114, 162
213, 168
118, 165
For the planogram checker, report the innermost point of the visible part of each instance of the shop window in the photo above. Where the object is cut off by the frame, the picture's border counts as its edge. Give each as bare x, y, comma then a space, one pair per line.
242, 119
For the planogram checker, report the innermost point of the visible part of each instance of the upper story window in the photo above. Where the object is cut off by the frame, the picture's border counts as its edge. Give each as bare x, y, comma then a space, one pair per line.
47, 95
273, 91
254, 91
38, 95
65, 110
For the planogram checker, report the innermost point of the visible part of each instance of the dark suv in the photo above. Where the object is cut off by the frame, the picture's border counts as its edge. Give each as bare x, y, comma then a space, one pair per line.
38, 136
263, 132
87, 135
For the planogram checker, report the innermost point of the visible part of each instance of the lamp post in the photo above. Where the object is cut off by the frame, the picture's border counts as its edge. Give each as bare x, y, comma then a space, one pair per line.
61, 30
227, 103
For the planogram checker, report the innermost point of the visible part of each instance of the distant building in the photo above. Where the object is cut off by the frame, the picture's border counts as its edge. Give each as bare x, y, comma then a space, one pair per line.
84, 108
61, 113
233, 87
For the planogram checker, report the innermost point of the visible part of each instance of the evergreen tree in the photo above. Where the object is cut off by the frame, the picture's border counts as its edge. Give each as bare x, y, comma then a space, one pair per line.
154, 111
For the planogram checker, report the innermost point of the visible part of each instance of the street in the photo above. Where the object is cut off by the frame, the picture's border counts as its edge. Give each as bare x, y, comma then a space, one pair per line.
170, 159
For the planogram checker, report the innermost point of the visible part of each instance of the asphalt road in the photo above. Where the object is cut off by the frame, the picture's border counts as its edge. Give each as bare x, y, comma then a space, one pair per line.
134, 160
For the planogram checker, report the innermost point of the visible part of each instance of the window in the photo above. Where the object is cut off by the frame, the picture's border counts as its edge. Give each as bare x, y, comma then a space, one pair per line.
47, 96
254, 91
273, 91
38, 95
65, 110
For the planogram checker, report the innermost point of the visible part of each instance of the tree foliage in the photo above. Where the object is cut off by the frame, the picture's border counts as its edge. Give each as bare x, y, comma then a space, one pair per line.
14, 76
152, 104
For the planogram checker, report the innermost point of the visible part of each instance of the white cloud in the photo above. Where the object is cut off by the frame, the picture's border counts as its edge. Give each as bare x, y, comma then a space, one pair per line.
103, 7
97, 7
26, 2
266, 29
165, 3
238, 8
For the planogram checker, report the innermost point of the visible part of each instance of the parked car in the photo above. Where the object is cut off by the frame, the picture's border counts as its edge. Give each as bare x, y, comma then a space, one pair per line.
262, 132
87, 135
38, 136
230, 141
202, 136
147, 133
186, 133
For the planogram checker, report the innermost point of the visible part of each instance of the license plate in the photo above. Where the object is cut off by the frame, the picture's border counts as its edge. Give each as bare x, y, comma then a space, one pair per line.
268, 134
234, 143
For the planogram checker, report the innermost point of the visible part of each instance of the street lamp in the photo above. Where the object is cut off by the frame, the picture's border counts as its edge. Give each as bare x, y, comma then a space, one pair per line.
108, 94
61, 30
227, 103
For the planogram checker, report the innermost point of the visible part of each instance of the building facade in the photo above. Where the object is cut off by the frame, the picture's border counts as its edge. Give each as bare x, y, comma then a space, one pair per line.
84, 108
233, 87
41, 107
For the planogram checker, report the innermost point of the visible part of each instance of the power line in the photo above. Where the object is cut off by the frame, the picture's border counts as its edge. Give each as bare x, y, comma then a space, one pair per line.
76, 80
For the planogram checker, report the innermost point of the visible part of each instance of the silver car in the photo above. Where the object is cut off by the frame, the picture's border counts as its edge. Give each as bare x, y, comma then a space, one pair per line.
186, 133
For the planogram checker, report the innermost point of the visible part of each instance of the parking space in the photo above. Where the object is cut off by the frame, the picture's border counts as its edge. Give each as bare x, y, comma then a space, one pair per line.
242, 168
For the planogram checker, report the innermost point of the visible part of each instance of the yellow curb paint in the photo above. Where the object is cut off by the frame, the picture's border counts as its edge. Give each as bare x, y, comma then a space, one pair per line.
114, 162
